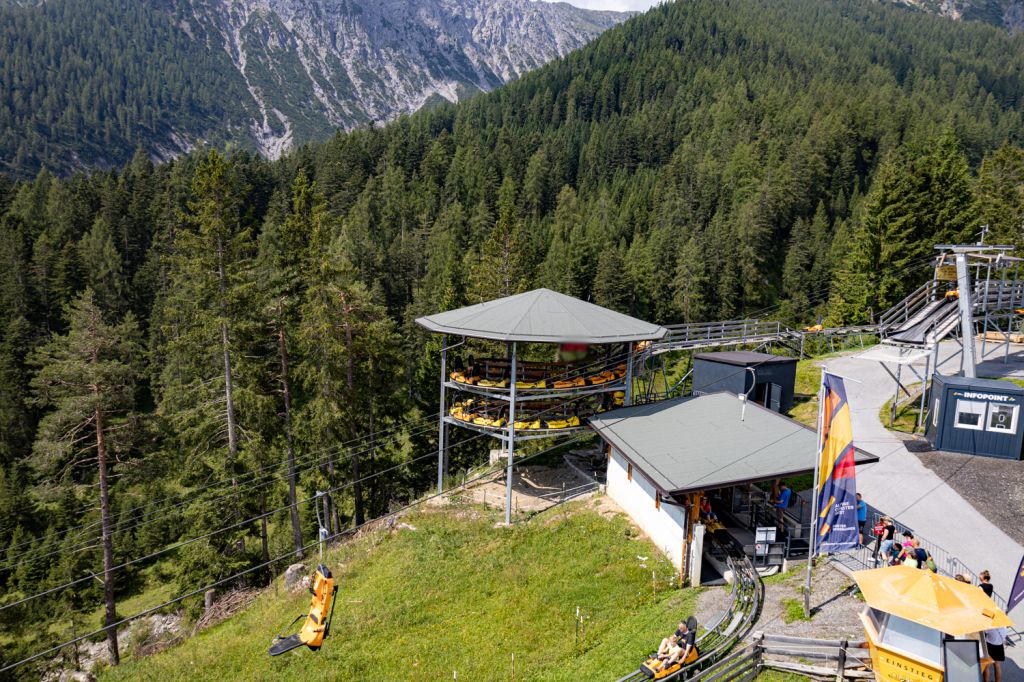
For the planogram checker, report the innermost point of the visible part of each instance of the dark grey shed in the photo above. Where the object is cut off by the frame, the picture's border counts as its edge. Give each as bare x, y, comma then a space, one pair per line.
767, 379
975, 416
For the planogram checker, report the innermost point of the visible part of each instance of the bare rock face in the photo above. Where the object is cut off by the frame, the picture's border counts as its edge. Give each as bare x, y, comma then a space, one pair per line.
293, 576
311, 66
1006, 13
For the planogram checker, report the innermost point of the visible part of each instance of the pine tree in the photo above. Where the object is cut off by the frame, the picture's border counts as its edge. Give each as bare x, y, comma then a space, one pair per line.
501, 270
1000, 192
284, 259
205, 321
87, 376
103, 267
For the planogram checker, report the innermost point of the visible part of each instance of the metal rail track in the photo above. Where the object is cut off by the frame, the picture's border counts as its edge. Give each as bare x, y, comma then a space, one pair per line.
733, 625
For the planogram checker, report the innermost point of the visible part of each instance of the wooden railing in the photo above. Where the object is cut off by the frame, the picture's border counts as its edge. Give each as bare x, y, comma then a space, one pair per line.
833, 658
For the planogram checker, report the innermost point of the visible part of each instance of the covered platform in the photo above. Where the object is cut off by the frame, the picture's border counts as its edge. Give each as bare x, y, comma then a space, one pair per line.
513, 399
664, 457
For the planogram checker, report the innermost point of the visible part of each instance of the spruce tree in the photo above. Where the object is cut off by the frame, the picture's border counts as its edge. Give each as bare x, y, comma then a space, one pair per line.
1000, 192
347, 346
502, 270
102, 265
283, 267
204, 324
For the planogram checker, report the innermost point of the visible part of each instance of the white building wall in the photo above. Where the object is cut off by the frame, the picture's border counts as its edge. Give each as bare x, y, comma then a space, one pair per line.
665, 526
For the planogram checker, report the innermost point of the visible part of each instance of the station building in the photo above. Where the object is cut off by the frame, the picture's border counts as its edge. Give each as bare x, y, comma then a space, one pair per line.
664, 457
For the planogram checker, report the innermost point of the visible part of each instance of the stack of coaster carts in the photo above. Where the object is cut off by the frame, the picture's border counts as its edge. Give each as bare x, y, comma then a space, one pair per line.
495, 374
531, 416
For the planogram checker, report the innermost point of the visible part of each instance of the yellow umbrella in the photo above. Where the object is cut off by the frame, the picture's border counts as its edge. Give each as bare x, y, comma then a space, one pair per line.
932, 600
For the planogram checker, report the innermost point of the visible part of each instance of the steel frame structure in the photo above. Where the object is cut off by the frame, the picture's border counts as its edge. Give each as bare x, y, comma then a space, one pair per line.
509, 435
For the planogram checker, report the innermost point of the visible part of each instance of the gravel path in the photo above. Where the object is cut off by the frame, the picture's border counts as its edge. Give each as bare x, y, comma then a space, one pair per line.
834, 608
901, 485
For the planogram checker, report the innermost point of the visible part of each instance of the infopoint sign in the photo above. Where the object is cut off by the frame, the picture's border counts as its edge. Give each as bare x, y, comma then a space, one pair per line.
984, 411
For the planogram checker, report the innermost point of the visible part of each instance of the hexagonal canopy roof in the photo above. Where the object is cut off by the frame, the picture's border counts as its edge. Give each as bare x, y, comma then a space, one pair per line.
542, 316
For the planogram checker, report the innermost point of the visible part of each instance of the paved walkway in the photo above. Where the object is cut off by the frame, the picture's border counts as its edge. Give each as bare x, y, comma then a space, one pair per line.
901, 486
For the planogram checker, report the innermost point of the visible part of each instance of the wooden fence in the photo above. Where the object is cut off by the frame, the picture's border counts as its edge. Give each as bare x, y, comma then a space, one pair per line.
831, 659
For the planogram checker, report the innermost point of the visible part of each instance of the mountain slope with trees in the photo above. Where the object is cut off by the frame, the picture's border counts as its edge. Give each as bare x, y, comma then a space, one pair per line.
707, 160
85, 83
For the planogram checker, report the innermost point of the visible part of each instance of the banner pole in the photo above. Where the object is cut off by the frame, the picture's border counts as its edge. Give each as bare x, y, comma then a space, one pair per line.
813, 530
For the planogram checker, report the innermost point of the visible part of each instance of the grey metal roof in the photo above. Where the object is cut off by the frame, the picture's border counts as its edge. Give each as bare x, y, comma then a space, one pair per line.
744, 358
542, 316
700, 443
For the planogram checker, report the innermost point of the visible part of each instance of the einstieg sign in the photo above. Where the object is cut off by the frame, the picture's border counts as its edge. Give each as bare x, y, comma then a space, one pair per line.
976, 416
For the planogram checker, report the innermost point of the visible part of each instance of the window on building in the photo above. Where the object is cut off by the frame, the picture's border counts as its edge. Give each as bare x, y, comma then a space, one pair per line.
877, 618
970, 414
1002, 418
913, 638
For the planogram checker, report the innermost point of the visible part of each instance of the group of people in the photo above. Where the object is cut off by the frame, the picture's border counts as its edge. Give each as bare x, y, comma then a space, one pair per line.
909, 552
995, 639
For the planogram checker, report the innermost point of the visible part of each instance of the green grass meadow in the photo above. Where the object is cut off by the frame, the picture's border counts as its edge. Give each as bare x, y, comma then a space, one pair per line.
458, 596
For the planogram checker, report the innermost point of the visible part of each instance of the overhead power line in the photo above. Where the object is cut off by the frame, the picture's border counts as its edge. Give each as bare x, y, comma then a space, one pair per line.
201, 590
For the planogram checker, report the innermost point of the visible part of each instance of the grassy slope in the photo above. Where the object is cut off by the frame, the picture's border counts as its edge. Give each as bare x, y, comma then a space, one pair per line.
458, 595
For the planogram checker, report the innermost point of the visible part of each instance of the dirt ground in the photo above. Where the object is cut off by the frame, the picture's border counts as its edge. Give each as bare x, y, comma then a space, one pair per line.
533, 488
994, 486
834, 609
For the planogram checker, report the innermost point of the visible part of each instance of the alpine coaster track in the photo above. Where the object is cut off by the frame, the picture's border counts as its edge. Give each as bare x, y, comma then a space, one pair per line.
732, 626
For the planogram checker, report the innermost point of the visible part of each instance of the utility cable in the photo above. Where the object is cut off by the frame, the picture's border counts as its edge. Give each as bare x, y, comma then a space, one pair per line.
90, 544
239, 524
162, 513
239, 489
193, 593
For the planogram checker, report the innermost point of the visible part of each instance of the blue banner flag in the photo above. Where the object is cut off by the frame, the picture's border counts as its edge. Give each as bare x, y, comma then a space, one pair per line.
837, 484
1017, 591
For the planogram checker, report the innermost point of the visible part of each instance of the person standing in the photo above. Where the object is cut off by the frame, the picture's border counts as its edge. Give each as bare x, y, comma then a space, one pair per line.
986, 584
886, 538
995, 640
862, 516
782, 501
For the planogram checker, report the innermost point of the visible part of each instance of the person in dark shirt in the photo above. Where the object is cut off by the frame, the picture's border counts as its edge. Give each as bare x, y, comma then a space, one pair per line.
986, 583
862, 516
687, 646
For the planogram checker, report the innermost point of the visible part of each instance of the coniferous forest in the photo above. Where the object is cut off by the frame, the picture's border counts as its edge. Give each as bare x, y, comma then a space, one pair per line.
189, 345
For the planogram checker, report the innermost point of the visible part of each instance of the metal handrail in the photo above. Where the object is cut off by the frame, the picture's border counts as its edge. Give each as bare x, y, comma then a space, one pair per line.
948, 564
730, 629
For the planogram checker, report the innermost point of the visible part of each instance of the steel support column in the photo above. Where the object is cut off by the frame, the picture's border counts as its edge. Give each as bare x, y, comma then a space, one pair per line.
628, 398
963, 282
924, 394
511, 448
442, 428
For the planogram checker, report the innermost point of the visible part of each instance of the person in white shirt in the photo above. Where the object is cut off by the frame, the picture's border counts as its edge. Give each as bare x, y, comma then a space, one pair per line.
995, 639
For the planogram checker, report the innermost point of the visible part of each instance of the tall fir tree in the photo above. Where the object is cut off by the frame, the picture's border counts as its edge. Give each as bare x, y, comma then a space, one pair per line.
1000, 192
87, 376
